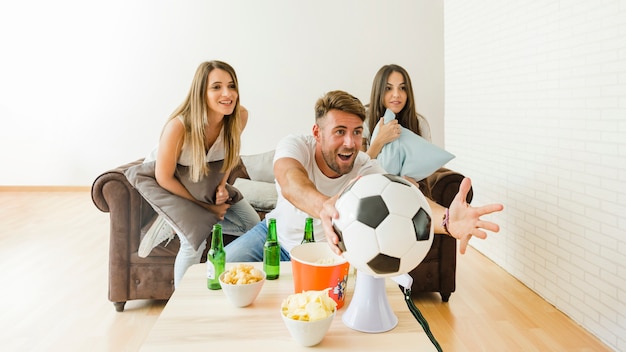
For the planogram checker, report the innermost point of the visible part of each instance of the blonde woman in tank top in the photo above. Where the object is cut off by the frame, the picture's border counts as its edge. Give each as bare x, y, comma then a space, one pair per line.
206, 127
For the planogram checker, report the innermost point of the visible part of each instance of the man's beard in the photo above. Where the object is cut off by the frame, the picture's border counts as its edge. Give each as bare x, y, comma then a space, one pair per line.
330, 159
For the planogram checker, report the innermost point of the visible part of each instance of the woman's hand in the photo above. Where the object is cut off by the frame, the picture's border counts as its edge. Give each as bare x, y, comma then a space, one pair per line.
218, 210
221, 195
388, 132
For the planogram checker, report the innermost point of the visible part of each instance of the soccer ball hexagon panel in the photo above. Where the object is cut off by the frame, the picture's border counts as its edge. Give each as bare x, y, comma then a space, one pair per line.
384, 225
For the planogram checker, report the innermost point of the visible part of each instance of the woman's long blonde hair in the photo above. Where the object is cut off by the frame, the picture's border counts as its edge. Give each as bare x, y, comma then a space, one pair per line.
194, 111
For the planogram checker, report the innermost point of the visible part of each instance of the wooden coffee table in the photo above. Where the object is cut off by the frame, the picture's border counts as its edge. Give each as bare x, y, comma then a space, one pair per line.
198, 319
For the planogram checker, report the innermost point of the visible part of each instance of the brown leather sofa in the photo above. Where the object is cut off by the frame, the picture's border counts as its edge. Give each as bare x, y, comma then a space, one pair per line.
132, 277
437, 272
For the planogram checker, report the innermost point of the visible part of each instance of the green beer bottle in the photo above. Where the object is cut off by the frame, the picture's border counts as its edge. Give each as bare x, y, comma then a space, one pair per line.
271, 252
308, 231
215, 259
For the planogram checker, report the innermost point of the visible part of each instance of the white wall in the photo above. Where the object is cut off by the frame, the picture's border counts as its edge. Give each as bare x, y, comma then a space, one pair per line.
536, 115
86, 86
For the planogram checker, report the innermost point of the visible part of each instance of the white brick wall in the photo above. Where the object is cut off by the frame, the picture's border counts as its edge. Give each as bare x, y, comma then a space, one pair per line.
536, 115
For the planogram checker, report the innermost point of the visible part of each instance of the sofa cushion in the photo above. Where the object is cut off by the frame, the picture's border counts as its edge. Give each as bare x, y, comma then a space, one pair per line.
260, 167
261, 195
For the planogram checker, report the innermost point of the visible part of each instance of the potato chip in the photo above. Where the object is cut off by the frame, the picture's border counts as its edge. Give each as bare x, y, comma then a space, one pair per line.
308, 305
242, 274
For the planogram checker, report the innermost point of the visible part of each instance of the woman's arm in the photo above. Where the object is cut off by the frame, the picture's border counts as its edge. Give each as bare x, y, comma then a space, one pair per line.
243, 114
170, 147
221, 195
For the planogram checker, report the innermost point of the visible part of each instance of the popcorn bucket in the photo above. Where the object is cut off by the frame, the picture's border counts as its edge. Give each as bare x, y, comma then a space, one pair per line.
316, 267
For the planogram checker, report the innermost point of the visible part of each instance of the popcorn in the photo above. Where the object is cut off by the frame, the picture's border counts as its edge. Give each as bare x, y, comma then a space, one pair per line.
308, 305
325, 261
242, 274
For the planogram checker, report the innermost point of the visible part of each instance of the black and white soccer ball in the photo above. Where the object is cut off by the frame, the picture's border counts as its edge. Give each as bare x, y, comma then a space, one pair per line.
384, 225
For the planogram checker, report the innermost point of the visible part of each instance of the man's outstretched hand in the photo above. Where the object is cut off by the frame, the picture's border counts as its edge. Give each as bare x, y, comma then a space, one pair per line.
464, 221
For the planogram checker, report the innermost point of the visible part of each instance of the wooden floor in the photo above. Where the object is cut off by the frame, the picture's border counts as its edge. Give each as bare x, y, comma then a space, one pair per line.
53, 270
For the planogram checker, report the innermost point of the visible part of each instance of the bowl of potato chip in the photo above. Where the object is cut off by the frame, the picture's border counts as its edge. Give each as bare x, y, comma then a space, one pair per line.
308, 316
241, 284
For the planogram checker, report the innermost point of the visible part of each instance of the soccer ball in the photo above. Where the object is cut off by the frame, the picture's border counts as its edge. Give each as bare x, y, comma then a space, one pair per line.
384, 225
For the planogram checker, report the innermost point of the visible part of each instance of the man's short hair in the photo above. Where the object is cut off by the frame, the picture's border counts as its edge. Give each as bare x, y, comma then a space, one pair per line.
339, 100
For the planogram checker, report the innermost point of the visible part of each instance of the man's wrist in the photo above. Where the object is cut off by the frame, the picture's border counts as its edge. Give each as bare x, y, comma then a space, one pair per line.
446, 221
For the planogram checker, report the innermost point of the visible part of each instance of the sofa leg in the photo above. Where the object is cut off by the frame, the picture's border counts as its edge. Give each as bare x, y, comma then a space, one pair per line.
445, 296
119, 306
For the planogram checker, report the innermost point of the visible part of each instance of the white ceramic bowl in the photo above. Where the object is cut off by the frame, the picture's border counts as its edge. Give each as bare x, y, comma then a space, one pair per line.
241, 295
308, 333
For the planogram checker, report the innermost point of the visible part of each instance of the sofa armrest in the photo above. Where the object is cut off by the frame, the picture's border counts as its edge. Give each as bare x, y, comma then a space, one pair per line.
103, 194
437, 273
128, 211
238, 171
444, 185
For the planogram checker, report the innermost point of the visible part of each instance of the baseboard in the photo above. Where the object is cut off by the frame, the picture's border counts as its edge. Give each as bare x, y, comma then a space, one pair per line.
45, 188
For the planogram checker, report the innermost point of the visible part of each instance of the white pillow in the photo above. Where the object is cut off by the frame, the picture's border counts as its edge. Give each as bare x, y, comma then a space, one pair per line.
260, 167
261, 195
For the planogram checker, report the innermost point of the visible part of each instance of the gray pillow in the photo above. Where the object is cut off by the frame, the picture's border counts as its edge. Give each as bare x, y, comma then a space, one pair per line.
194, 221
261, 195
260, 167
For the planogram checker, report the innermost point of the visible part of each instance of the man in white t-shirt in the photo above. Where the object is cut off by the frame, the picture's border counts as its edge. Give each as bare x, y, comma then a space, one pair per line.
311, 172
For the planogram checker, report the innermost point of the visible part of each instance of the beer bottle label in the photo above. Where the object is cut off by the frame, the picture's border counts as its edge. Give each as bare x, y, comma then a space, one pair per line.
210, 270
